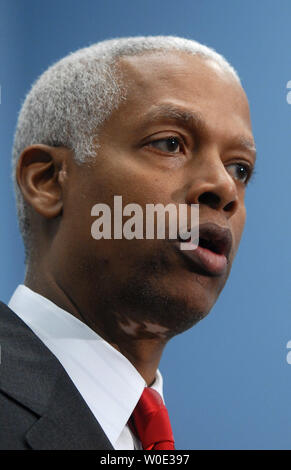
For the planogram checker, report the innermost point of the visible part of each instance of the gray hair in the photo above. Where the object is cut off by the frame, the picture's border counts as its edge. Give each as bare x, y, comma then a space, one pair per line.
71, 100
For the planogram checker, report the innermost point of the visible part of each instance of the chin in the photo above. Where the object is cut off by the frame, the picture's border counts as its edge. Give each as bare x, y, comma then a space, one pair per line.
175, 306
185, 309
162, 292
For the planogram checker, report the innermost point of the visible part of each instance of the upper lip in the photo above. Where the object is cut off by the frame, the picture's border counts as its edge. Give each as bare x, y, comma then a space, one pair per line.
216, 238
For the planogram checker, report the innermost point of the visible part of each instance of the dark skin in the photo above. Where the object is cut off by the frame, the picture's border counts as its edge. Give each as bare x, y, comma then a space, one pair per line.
137, 294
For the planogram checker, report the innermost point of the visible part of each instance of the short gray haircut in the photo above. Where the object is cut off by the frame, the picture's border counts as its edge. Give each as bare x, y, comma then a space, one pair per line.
70, 101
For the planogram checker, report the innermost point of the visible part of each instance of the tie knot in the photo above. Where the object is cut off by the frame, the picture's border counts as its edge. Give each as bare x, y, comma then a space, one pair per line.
150, 401
150, 422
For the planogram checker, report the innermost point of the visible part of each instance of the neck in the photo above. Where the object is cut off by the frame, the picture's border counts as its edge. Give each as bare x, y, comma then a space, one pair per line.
143, 350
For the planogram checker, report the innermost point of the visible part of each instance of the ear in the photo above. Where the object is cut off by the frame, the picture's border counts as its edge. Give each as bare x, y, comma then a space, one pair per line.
40, 170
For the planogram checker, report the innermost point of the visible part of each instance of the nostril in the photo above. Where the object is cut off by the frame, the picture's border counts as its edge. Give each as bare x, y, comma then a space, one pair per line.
230, 206
210, 199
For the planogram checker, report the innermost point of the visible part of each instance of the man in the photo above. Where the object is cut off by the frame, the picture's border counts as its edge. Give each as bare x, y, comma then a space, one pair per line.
157, 120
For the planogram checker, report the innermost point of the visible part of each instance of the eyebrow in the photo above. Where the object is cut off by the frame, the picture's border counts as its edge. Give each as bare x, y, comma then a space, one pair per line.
246, 144
192, 120
166, 111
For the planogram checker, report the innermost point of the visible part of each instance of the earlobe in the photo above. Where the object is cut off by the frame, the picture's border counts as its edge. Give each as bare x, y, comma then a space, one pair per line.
37, 176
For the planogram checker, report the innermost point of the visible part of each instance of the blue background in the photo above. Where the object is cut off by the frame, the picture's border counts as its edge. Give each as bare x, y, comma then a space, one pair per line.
227, 381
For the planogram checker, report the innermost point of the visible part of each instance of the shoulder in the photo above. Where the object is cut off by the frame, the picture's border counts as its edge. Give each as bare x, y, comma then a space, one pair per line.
40, 406
21, 349
28, 370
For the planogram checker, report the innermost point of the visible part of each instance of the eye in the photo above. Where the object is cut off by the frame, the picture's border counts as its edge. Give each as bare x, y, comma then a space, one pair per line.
167, 145
240, 172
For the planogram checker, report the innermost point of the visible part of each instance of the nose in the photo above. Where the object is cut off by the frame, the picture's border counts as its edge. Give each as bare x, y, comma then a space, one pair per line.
214, 188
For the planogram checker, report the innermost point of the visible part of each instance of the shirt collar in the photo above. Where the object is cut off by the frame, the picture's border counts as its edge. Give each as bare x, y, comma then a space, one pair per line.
108, 382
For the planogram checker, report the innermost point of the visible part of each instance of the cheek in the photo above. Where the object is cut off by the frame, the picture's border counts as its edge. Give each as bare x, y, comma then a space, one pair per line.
238, 224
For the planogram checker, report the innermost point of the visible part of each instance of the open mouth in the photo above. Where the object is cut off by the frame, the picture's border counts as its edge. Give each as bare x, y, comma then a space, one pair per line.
209, 245
214, 238
211, 253
219, 243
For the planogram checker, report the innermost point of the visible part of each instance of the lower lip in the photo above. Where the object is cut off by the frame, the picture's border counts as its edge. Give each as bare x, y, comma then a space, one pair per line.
212, 263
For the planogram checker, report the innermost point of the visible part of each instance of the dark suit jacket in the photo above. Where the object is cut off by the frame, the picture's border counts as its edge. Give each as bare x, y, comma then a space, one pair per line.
40, 407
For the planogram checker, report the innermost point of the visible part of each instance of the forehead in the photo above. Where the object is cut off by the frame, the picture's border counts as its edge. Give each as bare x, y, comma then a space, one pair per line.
179, 78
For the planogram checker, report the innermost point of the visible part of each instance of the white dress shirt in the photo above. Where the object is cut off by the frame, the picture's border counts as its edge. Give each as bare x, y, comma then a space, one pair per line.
107, 381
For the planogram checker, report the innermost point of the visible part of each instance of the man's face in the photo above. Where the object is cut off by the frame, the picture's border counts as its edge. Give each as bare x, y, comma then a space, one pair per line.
182, 136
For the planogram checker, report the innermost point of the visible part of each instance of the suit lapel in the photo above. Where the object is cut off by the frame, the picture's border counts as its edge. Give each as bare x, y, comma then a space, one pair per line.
33, 377
67, 423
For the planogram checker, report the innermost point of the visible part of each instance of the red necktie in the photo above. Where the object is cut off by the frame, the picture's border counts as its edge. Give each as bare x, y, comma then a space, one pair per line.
150, 422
